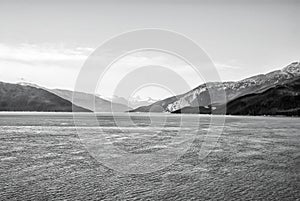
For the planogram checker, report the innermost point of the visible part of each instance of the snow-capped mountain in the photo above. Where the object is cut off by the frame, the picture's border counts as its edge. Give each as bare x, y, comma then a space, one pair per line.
133, 102
200, 96
281, 99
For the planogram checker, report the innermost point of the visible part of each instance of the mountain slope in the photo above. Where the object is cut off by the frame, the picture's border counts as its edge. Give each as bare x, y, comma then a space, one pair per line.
281, 99
84, 100
14, 97
200, 96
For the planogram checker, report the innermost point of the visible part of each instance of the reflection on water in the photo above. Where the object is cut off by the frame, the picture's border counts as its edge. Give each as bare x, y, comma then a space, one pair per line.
42, 158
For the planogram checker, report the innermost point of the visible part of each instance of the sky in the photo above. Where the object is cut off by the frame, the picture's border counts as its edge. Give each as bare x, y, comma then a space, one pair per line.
47, 42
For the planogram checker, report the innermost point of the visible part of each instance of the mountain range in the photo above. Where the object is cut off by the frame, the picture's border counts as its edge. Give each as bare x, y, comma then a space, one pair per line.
31, 97
84, 99
238, 101
281, 99
133, 102
274, 93
15, 97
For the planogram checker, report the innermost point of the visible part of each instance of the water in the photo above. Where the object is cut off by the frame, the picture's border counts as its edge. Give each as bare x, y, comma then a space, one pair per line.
42, 158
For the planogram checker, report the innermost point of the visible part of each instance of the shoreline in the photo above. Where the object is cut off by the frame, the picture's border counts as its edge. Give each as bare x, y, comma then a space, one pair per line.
135, 113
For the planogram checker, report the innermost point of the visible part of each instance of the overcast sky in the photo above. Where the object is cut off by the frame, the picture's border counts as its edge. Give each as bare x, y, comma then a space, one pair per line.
47, 42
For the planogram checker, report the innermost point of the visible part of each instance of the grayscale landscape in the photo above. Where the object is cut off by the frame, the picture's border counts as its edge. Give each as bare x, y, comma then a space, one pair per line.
150, 100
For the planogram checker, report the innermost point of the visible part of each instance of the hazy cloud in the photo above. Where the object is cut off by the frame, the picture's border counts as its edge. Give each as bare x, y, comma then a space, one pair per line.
120, 69
31, 53
48, 65
226, 66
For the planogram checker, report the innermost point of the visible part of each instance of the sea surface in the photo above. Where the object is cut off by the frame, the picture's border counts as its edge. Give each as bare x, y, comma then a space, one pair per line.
43, 158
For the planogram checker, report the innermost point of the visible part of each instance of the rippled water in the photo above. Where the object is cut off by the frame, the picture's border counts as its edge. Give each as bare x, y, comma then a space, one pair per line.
42, 157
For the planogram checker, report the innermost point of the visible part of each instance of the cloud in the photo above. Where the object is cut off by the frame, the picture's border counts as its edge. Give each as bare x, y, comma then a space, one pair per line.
49, 65
31, 53
222, 66
147, 58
